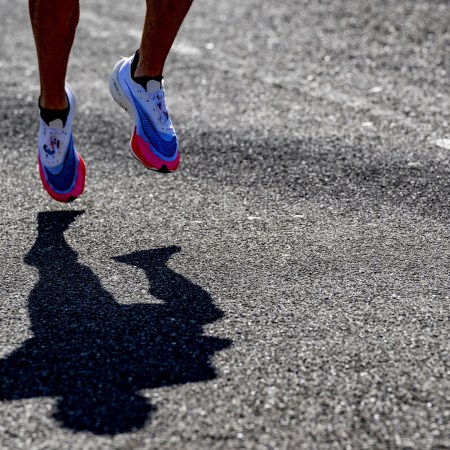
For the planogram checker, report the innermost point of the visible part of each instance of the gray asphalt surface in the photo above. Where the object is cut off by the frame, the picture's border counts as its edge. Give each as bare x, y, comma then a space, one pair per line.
288, 288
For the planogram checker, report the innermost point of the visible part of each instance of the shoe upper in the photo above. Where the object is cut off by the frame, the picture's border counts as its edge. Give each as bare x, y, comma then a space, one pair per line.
152, 118
57, 154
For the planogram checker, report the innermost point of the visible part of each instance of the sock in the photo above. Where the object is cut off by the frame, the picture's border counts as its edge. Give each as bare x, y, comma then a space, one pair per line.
142, 80
49, 115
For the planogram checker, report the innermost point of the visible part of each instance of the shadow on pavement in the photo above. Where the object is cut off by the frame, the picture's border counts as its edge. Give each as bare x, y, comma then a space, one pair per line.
95, 354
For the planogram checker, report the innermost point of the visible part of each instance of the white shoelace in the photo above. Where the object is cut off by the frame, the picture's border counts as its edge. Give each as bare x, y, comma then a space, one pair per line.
53, 140
159, 100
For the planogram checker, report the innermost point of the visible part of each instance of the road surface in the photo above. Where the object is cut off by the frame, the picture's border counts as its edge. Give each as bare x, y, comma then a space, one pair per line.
287, 288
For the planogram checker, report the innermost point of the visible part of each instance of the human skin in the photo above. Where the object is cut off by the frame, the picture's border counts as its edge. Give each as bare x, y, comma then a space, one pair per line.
54, 23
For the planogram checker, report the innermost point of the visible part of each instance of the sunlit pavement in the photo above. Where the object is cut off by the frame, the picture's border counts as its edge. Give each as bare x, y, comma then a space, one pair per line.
287, 288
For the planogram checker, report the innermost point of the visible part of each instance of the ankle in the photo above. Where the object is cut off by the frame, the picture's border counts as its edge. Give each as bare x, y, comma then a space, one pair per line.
142, 71
142, 68
50, 114
57, 103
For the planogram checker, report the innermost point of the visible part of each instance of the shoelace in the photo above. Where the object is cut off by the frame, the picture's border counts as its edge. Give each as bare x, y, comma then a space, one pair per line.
53, 139
159, 99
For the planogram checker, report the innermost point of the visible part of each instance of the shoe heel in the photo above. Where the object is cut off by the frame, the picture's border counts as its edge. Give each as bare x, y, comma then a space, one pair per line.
68, 87
116, 90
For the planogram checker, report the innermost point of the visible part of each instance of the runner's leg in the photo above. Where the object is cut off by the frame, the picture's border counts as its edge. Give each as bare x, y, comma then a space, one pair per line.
136, 85
61, 168
54, 23
162, 22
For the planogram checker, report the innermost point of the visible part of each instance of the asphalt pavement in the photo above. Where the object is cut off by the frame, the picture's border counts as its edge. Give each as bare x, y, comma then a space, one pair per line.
287, 288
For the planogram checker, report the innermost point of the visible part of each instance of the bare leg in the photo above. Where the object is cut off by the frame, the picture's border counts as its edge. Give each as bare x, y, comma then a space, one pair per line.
54, 23
162, 22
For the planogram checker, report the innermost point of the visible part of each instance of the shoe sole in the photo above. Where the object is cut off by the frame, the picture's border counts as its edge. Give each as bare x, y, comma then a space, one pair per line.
75, 192
122, 100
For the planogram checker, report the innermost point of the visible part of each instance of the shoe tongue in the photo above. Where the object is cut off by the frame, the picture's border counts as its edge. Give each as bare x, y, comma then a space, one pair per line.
153, 86
57, 123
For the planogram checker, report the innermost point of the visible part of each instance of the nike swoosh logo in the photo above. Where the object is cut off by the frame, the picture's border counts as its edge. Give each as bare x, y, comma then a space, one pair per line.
65, 178
146, 119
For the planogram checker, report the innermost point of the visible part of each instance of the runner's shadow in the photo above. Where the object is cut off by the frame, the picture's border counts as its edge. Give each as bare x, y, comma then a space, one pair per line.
95, 354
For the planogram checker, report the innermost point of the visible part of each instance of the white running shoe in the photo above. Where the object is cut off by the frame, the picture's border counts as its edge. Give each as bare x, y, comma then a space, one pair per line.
153, 141
61, 168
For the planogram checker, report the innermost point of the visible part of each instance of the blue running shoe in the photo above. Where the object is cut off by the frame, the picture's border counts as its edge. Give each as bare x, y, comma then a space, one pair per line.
61, 168
154, 141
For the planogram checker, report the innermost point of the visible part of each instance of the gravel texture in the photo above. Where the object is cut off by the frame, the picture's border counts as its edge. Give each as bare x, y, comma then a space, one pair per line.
288, 288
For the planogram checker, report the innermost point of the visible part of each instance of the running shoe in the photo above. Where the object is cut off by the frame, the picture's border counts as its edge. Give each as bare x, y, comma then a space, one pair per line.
61, 168
153, 140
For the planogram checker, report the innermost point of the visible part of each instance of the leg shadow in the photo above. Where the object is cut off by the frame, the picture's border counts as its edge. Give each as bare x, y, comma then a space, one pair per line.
95, 354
